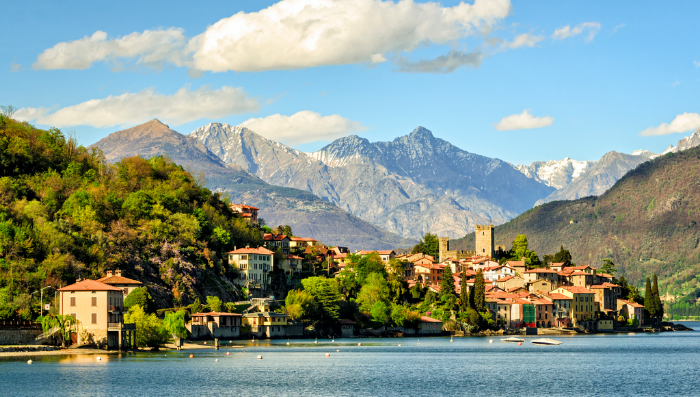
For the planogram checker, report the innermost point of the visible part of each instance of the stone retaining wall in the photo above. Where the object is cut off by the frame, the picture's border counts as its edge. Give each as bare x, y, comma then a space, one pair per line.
18, 336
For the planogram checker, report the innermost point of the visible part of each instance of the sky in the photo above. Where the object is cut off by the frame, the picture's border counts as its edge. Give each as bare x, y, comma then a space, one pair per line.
517, 80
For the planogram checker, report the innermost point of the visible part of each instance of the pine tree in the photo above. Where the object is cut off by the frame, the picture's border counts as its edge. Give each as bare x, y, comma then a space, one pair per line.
479, 292
658, 306
463, 293
447, 283
649, 300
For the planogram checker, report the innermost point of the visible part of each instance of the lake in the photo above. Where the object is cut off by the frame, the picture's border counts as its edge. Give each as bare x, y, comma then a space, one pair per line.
584, 365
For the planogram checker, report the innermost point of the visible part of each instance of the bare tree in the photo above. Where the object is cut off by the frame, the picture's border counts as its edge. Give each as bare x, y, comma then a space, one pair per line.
8, 110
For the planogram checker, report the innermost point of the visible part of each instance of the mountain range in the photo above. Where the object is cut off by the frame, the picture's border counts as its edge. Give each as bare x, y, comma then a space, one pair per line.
410, 186
308, 215
646, 223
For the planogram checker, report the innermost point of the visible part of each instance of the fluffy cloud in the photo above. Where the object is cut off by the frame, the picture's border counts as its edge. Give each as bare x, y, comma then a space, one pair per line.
567, 31
133, 108
682, 123
523, 121
443, 64
151, 48
303, 127
523, 40
293, 34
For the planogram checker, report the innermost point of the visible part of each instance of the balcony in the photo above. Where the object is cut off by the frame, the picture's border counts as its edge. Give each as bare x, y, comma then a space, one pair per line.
118, 326
113, 308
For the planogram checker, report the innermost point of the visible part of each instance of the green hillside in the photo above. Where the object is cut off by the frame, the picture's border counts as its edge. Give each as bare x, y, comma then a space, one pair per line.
646, 223
67, 213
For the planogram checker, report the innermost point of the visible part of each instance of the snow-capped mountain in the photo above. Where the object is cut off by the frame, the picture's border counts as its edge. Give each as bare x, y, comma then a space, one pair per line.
556, 174
409, 186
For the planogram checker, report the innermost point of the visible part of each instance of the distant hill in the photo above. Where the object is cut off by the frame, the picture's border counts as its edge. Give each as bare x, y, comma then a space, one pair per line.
309, 215
646, 223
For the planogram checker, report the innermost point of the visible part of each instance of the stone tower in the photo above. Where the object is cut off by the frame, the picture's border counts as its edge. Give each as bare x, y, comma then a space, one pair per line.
443, 247
484, 240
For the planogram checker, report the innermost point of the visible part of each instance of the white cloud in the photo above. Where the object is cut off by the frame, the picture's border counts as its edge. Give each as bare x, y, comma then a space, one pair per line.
292, 34
133, 108
447, 63
151, 48
14, 67
592, 27
682, 123
523, 40
303, 127
697, 64
618, 27
523, 121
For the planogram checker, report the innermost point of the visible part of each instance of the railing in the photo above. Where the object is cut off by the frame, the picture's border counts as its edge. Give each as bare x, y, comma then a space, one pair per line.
20, 324
113, 308
121, 325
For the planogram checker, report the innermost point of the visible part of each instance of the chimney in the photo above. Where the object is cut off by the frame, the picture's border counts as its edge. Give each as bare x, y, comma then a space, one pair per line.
118, 273
77, 280
109, 273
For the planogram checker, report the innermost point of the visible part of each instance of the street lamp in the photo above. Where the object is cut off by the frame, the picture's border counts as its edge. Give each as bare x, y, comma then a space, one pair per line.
42, 299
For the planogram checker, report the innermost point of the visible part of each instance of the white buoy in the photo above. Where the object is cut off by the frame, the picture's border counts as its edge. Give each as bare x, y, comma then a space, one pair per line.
491, 341
30, 362
259, 357
359, 344
99, 358
399, 344
316, 341
217, 360
337, 351
287, 343
333, 341
228, 353
328, 354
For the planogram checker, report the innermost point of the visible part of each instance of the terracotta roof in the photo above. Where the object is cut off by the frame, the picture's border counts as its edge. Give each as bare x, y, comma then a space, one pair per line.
90, 285
118, 280
516, 263
427, 319
302, 239
515, 289
598, 286
244, 206
578, 290
259, 250
580, 274
289, 256
216, 314
505, 278
274, 237
380, 252
541, 271
246, 215
557, 264
633, 304
556, 295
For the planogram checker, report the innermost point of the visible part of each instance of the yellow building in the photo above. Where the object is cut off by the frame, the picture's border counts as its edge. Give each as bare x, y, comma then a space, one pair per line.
254, 265
582, 305
266, 324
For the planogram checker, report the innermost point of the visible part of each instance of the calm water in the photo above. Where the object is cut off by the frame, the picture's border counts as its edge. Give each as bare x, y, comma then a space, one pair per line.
639, 364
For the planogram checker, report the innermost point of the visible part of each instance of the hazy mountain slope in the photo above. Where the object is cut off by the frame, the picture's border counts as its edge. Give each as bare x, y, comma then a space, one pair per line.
307, 214
646, 223
383, 182
598, 177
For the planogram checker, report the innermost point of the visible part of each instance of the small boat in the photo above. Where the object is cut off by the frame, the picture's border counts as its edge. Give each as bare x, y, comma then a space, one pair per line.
546, 341
512, 339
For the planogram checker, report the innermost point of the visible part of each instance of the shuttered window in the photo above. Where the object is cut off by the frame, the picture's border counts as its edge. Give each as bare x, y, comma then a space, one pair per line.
72, 301
94, 301
94, 318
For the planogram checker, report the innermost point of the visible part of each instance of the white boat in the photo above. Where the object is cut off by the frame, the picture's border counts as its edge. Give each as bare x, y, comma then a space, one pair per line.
512, 339
546, 341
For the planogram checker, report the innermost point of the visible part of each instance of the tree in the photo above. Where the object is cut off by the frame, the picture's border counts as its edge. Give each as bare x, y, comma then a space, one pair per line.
300, 304
150, 331
428, 245
380, 312
140, 297
658, 306
447, 282
520, 250
563, 256
608, 267
463, 292
175, 323
214, 303
375, 290
63, 325
649, 300
327, 294
479, 292
196, 307
8, 110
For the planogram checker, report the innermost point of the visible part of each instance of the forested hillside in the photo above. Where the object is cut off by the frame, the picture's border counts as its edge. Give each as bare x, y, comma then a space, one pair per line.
66, 213
646, 223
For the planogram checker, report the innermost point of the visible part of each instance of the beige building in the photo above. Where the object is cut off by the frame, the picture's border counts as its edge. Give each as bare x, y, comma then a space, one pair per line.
98, 308
115, 279
254, 265
484, 240
386, 255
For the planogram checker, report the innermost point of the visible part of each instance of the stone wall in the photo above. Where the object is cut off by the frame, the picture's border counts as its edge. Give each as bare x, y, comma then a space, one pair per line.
18, 336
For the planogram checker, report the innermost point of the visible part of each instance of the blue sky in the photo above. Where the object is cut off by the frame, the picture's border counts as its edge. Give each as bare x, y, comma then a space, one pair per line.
612, 72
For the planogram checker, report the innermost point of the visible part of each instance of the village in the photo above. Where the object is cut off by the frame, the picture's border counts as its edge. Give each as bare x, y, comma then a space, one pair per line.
518, 299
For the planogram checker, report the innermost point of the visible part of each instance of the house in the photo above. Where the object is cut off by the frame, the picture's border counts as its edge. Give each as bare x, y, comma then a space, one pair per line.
519, 266
632, 310
291, 264
277, 241
254, 265
386, 255
583, 305
508, 282
266, 324
98, 307
429, 326
605, 295
249, 213
539, 286
543, 313
557, 266
215, 325
115, 279
503, 308
303, 242
484, 263
581, 278
347, 328
541, 274
561, 309
493, 273
428, 274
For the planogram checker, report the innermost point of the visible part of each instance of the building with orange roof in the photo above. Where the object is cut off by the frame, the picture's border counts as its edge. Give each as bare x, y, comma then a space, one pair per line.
98, 308
606, 295
277, 241
631, 310
215, 325
386, 255
540, 286
115, 279
561, 308
541, 274
583, 307
428, 274
509, 282
254, 266
429, 326
303, 242
248, 212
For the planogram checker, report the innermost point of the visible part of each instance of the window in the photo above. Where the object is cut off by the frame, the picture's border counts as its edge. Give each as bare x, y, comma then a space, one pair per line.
72, 301
244, 257
73, 315
126, 291
94, 318
94, 301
